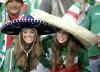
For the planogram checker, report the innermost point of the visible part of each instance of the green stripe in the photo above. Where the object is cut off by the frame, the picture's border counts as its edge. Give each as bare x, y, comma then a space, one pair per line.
1, 10
28, 11
77, 4
37, 4
1, 41
0, 59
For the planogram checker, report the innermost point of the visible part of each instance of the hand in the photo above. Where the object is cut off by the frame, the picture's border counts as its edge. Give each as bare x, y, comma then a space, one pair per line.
98, 39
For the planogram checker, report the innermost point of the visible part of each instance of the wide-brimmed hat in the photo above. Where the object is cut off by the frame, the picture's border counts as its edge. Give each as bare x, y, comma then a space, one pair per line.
86, 37
2, 1
97, 0
13, 27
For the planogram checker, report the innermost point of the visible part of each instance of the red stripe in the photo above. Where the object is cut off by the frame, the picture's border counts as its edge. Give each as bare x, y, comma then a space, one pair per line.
73, 14
8, 42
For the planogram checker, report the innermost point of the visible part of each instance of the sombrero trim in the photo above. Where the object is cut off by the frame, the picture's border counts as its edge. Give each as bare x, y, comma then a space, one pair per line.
20, 23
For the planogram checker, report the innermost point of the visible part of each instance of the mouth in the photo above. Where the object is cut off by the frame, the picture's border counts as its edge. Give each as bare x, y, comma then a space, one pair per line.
28, 38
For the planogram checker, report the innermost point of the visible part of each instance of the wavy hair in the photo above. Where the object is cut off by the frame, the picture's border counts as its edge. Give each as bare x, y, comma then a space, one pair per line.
71, 45
20, 56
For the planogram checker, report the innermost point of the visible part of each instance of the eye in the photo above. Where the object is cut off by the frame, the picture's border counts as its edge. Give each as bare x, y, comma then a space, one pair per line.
31, 31
24, 31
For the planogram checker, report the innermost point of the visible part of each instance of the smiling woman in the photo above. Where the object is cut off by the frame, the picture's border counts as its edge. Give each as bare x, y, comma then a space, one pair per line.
29, 35
27, 50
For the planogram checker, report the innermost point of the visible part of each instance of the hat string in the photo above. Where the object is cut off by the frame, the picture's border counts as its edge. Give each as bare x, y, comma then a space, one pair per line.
27, 52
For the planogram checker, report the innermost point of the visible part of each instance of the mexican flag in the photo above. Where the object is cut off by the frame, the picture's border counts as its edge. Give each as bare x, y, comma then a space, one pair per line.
29, 5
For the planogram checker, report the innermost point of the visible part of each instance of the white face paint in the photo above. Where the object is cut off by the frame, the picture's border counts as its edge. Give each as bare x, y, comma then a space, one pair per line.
28, 35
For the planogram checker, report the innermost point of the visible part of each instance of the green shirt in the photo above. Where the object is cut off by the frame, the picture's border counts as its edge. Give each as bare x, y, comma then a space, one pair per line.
81, 53
92, 22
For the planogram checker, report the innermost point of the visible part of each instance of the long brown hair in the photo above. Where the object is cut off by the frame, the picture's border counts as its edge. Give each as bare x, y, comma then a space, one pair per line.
20, 56
71, 45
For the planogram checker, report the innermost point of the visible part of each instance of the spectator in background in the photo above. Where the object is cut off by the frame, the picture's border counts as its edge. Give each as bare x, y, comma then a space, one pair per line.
91, 2
56, 7
92, 22
85, 6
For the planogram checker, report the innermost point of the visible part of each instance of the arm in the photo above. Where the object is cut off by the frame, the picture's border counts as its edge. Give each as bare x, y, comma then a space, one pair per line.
87, 21
46, 55
83, 60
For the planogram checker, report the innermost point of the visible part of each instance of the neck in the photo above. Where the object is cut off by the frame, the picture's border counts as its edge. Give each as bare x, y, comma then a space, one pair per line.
12, 17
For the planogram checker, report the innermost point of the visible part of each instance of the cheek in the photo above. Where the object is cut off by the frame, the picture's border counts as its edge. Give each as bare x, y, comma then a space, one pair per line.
19, 6
8, 7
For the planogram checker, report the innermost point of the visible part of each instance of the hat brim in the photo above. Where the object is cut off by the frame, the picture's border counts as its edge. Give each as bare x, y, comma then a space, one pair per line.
2, 1
86, 37
13, 27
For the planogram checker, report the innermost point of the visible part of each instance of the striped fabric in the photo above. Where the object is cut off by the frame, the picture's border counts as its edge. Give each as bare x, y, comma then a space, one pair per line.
5, 41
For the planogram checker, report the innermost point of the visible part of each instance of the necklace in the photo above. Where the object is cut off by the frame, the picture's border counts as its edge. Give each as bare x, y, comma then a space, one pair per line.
27, 52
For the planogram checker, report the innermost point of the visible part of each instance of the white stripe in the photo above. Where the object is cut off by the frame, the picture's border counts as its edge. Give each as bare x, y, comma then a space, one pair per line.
3, 57
11, 59
5, 40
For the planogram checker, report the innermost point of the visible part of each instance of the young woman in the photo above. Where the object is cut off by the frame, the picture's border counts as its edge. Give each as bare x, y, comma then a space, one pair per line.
26, 52
65, 53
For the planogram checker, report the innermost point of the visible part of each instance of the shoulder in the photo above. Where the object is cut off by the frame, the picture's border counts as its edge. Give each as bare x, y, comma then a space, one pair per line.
82, 50
9, 52
47, 38
94, 8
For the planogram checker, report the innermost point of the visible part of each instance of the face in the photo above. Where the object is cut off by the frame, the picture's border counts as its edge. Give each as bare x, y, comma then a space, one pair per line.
13, 7
28, 35
62, 37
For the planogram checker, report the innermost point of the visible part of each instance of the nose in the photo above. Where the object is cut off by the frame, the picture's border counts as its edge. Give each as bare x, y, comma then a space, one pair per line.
61, 35
28, 34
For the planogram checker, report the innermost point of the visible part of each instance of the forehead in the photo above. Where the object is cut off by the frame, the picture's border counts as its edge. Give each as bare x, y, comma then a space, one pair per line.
18, 1
62, 32
28, 29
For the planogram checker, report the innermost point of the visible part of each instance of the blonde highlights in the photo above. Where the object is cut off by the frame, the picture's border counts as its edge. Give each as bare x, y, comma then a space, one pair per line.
20, 56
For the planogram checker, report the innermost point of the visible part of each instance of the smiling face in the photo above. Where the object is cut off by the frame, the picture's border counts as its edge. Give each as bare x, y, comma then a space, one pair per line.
62, 36
28, 35
13, 7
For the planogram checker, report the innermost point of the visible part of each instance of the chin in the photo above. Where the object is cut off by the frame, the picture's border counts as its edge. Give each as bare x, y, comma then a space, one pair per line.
62, 42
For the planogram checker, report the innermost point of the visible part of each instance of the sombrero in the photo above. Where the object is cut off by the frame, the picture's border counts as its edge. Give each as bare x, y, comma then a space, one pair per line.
2, 1
86, 37
97, 0
13, 27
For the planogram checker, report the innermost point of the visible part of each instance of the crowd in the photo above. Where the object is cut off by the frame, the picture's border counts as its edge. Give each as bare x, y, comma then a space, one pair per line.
49, 36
